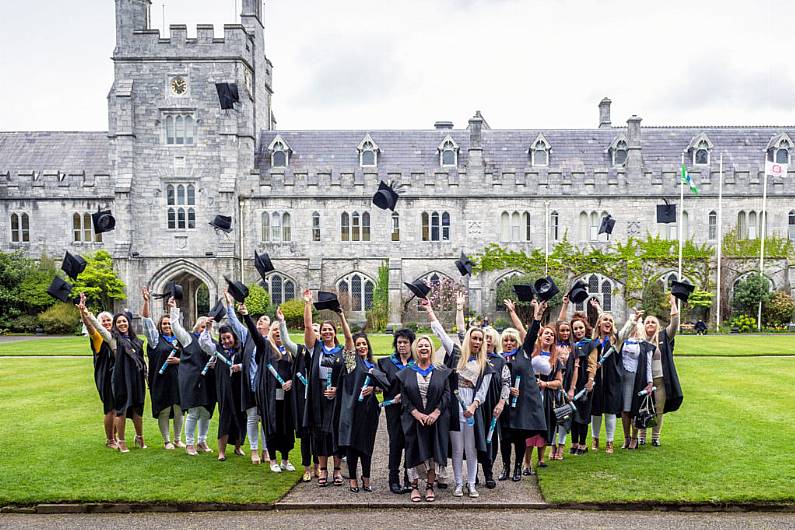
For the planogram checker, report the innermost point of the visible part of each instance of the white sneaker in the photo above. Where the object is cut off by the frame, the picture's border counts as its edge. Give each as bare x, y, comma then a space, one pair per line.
275, 468
287, 467
458, 491
473, 493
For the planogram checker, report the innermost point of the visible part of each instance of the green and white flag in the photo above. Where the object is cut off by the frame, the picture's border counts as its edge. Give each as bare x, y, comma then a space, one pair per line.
687, 179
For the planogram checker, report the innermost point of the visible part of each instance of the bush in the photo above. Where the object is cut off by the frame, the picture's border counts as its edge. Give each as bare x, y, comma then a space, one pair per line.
778, 310
25, 324
749, 292
258, 301
744, 323
60, 319
294, 313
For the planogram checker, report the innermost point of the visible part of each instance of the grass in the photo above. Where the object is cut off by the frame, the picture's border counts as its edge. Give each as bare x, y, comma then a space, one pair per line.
773, 344
53, 448
382, 345
728, 443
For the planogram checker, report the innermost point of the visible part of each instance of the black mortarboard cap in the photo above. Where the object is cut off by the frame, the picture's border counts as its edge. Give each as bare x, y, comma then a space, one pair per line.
682, 290
524, 292
173, 290
545, 288
218, 312
61, 290
227, 95
222, 222
238, 291
327, 300
607, 224
666, 213
464, 264
73, 265
578, 292
386, 197
103, 221
420, 289
263, 264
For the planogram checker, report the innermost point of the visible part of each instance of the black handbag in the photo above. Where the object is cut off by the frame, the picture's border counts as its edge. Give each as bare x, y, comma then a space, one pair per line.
647, 414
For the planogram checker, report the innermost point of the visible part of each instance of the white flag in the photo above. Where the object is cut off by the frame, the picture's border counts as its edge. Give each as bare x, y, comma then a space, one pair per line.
775, 169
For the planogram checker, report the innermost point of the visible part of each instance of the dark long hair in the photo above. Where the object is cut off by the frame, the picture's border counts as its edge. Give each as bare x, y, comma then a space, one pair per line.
228, 329
363, 335
130, 333
406, 333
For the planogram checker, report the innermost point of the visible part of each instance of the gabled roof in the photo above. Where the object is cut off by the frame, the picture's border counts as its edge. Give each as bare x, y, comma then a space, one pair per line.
67, 152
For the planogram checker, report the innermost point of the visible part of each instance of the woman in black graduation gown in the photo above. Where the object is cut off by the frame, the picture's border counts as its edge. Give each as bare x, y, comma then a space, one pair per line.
196, 389
607, 397
129, 376
163, 352
322, 405
582, 368
549, 374
493, 407
103, 368
359, 417
228, 386
425, 401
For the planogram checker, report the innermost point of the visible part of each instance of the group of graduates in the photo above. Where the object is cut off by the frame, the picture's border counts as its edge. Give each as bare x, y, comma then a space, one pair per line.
481, 394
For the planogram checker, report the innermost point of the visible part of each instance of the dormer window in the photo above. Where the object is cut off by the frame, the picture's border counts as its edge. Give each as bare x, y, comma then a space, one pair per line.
448, 152
779, 148
368, 152
700, 147
280, 152
539, 152
620, 153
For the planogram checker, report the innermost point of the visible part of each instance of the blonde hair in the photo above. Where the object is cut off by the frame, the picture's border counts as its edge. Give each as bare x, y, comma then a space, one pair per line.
466, 352
597, 327
495, 339
656, 339
277, 354
414, 348
510, 332
199, 322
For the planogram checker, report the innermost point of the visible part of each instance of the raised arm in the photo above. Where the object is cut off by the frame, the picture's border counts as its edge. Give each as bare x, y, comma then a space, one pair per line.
515, 320
460, 323
346, 331
239, 329
626, 331
84, 314
183, 336
437, 327
309, 334
532, 334
285, 334
206, 339
673, 325
106, 336
564, 308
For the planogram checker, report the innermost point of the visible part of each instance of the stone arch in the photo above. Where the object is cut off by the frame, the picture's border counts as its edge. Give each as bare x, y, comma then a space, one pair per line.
607, 291
745, 275
192, 277
498, 305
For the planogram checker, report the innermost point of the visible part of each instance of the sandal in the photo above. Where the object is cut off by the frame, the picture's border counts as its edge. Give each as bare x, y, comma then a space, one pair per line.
609, 448
415, 494
355, 487
429, 495
322, 481
633, 443
337, 478
366, 485
139, 442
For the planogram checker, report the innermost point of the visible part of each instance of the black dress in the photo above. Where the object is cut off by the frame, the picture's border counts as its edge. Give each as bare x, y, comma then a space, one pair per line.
231, 417
607, 397
322, 414
424, 442
551, 400
496, 362
103, 375
195, 389
359, 419
163, 388
527, 419
129, 376
301, 365
580, 352
673, 391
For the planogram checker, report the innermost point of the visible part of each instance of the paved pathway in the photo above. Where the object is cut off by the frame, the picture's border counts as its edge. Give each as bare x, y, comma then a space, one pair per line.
6, 339
310, 494
406, 518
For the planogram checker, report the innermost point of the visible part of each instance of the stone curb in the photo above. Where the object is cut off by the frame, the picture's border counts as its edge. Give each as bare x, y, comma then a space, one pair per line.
67, 508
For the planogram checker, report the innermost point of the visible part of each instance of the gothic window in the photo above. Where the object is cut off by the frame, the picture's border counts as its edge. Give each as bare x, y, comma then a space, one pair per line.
445, 226
181, 202
426, 231
782, 153
593, 284
505, 226
685, 226
395, 227
365, 226
355, 226
607, 296
266, 227
368, 152
281, 288
584, 231
20, 228
594, 228
779, 148
280, 152
713, 226
448, 153
315, 226
180, 129
276, 227
358, 289
620, 153
701, 154
435, 226
515, 226
554, 226
285, 227
600, 288
527, 228
540, 154
83, 229
752, 234
791, 225
742, 226
345, 227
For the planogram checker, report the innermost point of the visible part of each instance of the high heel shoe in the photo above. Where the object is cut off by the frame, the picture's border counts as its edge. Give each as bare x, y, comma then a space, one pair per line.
517, 473
110, 443
139, 442
506, 473
121, 445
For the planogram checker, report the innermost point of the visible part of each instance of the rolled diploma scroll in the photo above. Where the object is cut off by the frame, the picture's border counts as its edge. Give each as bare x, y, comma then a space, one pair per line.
516, 386
643, 392
491, 430
387, 403
273, 371
165, 364
471, 419
366, 383
606, 354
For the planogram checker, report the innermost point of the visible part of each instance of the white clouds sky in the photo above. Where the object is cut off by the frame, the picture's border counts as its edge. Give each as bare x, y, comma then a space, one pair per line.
407, 63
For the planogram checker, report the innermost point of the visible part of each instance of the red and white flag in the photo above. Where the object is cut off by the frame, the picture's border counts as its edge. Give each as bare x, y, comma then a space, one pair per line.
775, 169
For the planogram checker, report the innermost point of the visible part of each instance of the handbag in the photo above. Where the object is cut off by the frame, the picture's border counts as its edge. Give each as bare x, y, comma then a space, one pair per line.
647, 414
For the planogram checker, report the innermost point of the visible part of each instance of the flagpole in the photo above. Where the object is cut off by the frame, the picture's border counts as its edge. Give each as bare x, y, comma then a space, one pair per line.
681, 225
762, 246
546, 238
720, 238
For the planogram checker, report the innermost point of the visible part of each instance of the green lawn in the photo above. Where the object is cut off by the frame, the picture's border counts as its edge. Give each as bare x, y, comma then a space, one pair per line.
772, 344
730, 442
382, 345
53, 448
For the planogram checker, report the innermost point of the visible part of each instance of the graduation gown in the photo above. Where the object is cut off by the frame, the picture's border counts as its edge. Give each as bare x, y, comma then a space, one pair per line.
231, 418
103, 375
641, 374
301, 365
580, 352
391, 366
359, 419
247, 395
163, 389
496, 362
424, 442
195, 389
550, 401
528, 416
129, 376
321, 415
673, 391
607, 395
481, 423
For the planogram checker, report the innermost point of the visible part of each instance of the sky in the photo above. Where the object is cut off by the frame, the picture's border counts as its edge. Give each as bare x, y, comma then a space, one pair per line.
400, 64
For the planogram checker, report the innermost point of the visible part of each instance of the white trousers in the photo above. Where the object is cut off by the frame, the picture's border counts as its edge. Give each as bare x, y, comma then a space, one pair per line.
162, 423
197, 416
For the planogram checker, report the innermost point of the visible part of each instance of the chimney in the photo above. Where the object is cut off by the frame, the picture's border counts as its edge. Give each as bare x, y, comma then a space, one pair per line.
443, 125
604, 113
475, 144
634, 160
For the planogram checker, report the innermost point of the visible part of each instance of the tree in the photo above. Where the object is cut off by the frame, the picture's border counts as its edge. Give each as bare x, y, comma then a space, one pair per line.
505, 291
779, 309
258, 301
378, 314
33, 288
749, 292
99, 282
700, 303
654, 300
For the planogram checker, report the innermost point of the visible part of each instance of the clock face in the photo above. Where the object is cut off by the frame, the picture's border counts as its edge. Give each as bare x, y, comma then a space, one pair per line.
179, 86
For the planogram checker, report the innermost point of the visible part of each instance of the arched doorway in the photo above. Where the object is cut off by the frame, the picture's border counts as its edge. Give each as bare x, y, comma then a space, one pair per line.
199, 291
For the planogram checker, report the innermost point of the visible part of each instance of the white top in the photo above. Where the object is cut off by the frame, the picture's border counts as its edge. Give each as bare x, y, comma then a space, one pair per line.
541, 364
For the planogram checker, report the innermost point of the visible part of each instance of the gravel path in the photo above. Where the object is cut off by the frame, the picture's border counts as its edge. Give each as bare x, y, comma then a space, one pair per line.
406, 518
309, 494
